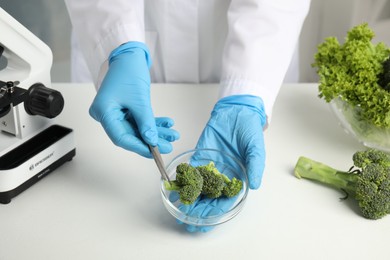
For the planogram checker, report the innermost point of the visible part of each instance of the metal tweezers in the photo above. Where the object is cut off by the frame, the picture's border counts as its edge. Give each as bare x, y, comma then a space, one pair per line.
160, 163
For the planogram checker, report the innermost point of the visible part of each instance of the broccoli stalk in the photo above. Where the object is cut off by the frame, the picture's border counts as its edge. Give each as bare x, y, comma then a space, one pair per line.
310, 169
368, 180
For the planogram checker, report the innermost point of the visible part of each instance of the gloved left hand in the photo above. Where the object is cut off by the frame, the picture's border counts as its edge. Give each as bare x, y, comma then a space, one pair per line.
123, 106
235, 127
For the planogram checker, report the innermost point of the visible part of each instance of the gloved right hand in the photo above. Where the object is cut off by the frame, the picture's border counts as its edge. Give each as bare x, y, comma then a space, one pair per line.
235, 127
123, 107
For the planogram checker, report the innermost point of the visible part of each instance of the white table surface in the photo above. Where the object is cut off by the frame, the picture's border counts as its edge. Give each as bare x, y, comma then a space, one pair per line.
105, 203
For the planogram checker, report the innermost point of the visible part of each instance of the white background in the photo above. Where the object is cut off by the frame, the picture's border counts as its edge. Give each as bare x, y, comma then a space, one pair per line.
49, 20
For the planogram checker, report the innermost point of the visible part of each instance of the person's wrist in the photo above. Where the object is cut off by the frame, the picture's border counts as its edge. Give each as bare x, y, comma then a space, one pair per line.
131, 47
254, 103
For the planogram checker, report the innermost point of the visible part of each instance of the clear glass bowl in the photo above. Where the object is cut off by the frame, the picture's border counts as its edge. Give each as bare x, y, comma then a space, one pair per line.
227, 165
364, 132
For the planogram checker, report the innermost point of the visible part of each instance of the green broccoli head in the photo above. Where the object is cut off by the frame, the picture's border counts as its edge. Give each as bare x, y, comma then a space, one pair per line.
232, 188
369, 183
216, 184
364, 158
213, 183
188, 194
191, 182
188, 183
188, 175
373, 190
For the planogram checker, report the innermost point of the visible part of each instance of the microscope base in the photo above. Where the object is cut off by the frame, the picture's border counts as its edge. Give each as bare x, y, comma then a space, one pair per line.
34, 159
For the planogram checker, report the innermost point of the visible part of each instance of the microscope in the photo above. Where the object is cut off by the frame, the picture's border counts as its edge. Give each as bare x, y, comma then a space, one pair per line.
31, 144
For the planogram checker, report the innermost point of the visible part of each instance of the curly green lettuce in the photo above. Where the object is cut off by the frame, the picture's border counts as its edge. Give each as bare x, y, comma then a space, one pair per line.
355, 72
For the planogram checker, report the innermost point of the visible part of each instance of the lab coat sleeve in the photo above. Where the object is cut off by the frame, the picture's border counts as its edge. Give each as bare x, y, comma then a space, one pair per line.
261, 40
102, 25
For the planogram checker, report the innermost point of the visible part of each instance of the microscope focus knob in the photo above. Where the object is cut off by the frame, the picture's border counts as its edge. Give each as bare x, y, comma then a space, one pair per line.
44, 101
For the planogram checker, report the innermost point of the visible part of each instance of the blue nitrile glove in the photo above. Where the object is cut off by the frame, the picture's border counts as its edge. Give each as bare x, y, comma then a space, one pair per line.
123, 107
235, 127
203, 207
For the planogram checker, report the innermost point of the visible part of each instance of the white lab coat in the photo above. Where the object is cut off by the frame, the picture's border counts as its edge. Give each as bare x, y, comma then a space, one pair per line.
245, 45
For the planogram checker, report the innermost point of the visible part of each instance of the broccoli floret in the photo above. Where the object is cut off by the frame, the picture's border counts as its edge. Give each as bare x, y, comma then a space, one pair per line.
364, 158
216, 184
368, 180
213, 184
191, 182
188, 183
232, 187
